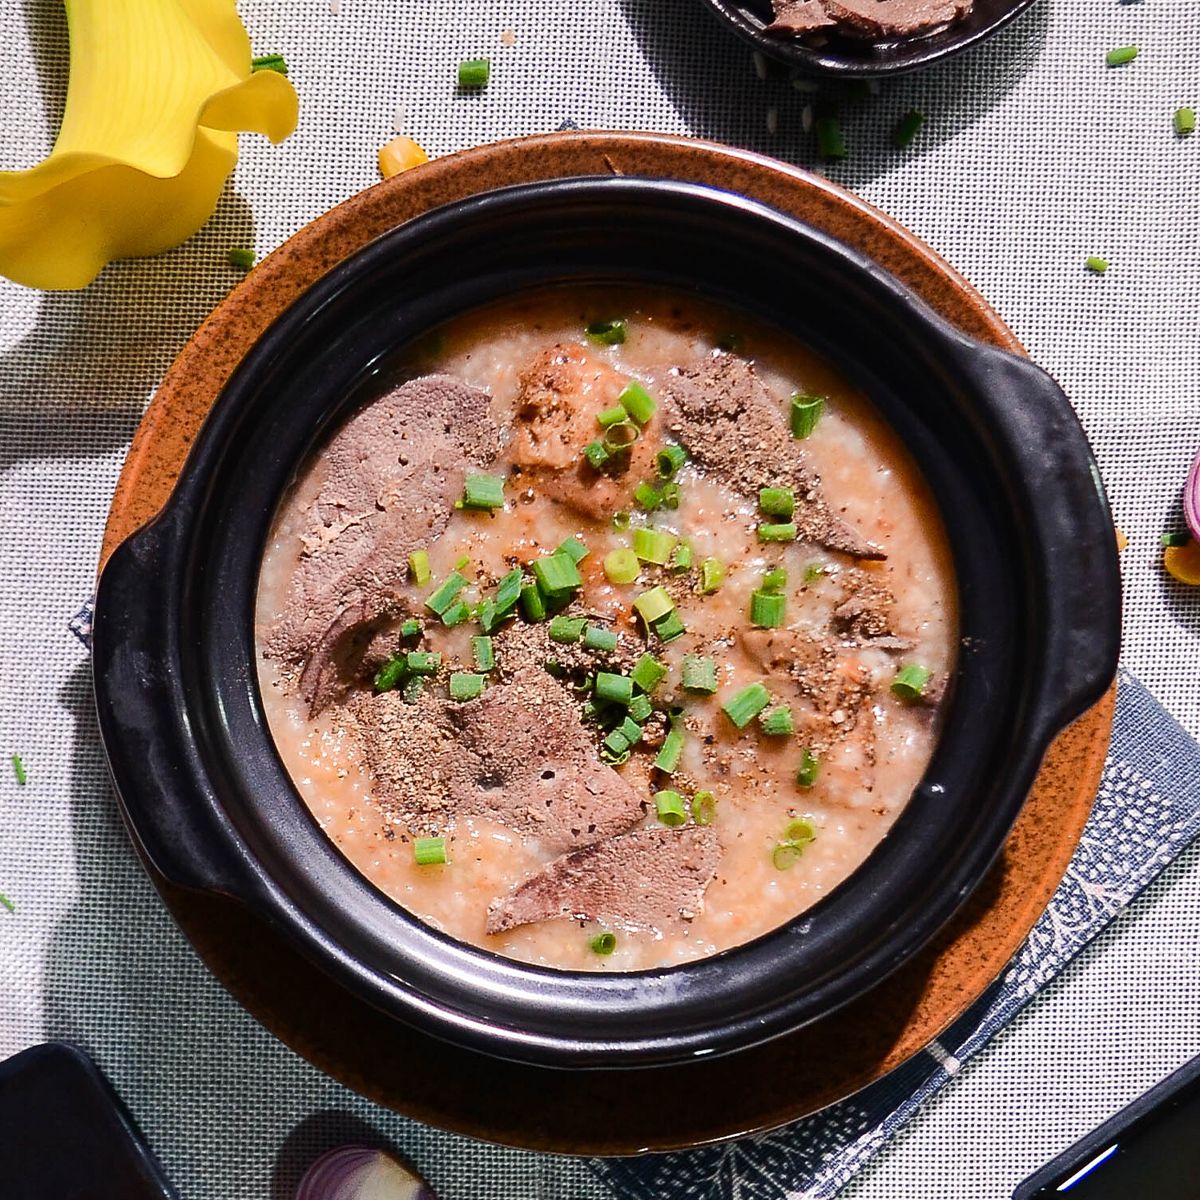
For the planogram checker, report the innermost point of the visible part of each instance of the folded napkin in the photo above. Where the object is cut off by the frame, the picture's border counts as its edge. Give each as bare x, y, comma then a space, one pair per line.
1146, 812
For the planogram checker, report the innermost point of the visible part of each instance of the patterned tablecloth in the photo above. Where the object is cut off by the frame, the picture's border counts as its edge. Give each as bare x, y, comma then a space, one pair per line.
1034, 155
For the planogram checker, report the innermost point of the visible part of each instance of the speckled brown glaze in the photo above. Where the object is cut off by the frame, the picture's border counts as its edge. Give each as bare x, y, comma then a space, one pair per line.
599, 1112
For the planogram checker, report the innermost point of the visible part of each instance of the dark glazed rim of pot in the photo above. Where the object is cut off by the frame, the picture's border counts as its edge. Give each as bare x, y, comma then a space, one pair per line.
205, 793
864, 58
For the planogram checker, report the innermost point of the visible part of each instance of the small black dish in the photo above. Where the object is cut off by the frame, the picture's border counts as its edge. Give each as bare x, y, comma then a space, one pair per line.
213, 810
65, 1135
861, 58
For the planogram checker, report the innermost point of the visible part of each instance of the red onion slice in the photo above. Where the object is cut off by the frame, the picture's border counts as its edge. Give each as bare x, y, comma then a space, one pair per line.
1191, 500
356, 1173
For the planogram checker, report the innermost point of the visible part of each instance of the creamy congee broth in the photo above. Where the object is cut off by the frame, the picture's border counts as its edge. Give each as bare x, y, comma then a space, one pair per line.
613, 636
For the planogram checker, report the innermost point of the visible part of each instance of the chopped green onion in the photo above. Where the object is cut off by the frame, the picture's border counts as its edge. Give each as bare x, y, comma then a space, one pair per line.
483, 492
910, 682
466, 686
19, 769
414, 685
621, 520
616, 744
574, 548
800, 830
785, 532
805, 412
443, 596
1095, 263
671, 494
810, 768
1185, 121
556, 574
671, 750
423, 662
768, 610
606, 333
412, 628
670, 627
620, 437
648, 673
269, 62
743, 706
622, 566
240, 257
830, 141
508, 592
616, 689
777, 722
532, 604
712, 575
786, 855
681, 560
596, 637
813, 571
907, 128
566, 629
669, 460
611, 416
7, 903
704, 808
637, 402
597, 454
388, 675
474, 72
418, 567
654, 545
456, 614
774, 580
1121, 55
647, 496
463, 563
1176, 539
668, 807
430, 851
603, 943
777, 502
630, 730
653, 605
640, 707
484, 653
488, 616
699, 674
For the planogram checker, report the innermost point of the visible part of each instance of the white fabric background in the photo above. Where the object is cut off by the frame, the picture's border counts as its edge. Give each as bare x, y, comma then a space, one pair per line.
1034, 156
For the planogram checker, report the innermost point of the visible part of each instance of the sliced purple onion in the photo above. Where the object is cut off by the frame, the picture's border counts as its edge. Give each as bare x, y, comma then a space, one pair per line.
356, 1173
1191, 500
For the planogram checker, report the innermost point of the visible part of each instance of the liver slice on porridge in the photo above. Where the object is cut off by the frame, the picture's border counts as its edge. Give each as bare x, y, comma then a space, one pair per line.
519, 755
648, 878
561, 393
735, 429
388, 480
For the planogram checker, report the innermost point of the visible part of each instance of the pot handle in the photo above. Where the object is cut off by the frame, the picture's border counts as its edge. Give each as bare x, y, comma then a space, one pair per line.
171, 807
1065, 521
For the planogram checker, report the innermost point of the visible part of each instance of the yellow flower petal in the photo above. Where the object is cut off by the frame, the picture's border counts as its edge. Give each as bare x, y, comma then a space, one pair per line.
158, 91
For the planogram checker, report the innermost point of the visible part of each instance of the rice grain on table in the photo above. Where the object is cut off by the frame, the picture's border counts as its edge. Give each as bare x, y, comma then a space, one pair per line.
772, 120
760, 65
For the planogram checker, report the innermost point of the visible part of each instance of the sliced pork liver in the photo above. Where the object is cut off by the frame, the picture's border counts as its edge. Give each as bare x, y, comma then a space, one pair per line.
895, 18
734, 428
384, 486
519, 755
794, 17
649, 878
561, 393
